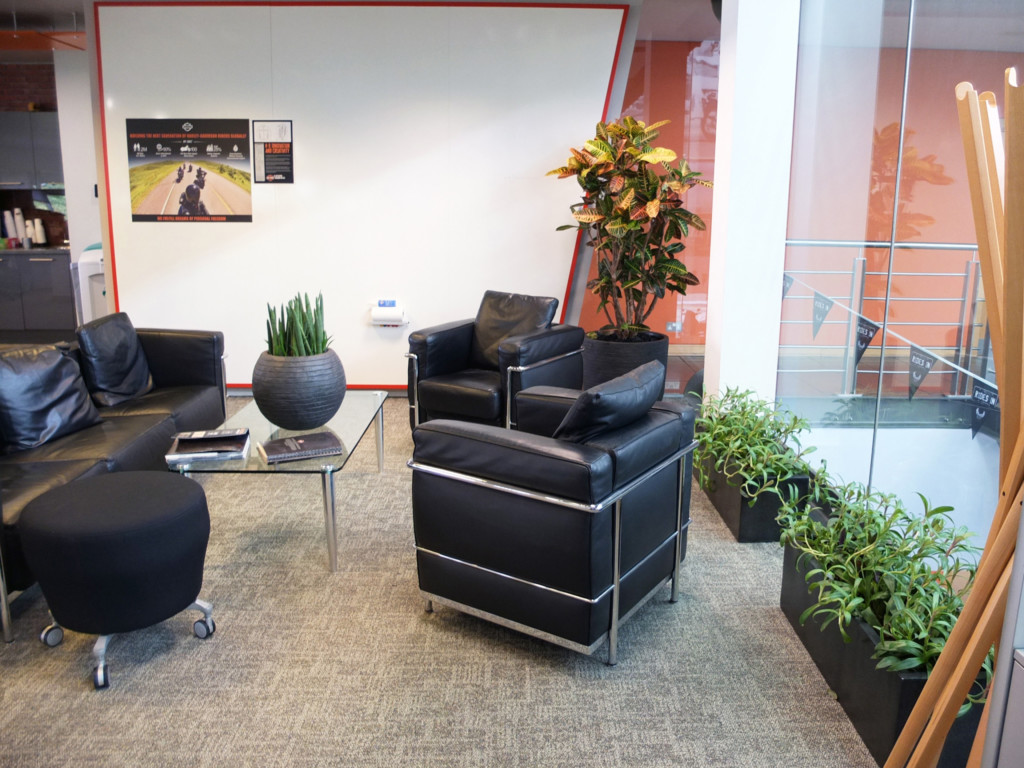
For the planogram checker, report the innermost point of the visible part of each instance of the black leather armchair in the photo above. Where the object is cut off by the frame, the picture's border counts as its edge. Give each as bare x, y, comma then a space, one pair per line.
562, 537
465, 369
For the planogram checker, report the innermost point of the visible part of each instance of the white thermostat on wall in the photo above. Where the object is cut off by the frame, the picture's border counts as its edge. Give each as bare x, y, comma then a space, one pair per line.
387, 313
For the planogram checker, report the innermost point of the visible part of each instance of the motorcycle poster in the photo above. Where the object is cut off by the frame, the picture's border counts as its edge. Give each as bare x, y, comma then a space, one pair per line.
189, 170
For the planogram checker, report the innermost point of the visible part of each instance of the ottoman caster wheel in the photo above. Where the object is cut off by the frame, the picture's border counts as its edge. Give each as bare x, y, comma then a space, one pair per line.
52, 636
100, 677
204, 628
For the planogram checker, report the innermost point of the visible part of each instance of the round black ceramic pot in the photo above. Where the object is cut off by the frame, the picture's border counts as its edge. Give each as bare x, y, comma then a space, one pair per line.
604, 359
298, 392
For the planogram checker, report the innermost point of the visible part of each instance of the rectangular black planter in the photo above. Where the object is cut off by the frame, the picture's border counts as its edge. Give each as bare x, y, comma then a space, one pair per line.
747, 523
877, 701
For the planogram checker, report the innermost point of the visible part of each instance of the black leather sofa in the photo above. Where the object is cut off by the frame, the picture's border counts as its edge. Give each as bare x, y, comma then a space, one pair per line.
187, 393
559, 533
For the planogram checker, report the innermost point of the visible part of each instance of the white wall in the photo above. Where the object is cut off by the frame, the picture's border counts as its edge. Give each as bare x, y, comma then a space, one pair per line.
422, 136
752, 158
835, 119
77, 148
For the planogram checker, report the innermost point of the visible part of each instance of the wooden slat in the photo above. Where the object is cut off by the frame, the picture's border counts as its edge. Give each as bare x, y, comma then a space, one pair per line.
978, 748
995, 155
997, 185
1012, 250
990, 570
1011, 482
982, 204
968, 664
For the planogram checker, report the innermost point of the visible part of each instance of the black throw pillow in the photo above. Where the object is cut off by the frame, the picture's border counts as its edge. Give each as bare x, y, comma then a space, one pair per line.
613, 404
113, 362
42, 396
507, 314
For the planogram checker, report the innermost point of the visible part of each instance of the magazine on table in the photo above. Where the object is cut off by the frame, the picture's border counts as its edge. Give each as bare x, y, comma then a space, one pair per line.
209, 445
298, 447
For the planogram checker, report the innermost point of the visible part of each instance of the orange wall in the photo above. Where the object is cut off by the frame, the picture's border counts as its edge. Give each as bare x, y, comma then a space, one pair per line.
826, 205
666, 82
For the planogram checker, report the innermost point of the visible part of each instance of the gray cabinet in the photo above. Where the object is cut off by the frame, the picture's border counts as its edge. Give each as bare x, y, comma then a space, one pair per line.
36, 291
17, 163
49, 165
30, 150
11, 317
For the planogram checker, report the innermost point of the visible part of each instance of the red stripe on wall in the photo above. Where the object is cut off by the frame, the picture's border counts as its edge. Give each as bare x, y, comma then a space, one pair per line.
604, 118
106, 163
327, 3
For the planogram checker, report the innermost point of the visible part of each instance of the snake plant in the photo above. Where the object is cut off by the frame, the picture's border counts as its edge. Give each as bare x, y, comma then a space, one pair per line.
299, 328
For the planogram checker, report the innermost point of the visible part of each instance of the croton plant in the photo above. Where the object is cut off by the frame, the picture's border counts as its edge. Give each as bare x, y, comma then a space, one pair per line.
633, 215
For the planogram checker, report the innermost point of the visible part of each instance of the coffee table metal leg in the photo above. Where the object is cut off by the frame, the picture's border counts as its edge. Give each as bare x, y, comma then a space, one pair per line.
378, 422
330, 521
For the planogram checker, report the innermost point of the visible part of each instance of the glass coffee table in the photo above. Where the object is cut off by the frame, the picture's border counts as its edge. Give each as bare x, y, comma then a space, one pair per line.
358, 410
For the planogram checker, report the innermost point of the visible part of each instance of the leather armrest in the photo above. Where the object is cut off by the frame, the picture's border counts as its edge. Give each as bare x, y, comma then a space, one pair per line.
441, 349
637, 447
541, 409
567, 470
549, 354
179, 358
533, 348
687, 413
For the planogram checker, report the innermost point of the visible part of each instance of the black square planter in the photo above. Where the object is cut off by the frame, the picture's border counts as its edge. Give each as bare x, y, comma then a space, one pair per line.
747, 523
877, 701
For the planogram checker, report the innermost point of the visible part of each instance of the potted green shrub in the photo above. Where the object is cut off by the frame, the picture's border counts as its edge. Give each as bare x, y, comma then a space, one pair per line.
633, 216
298, 381
748, 459
873, 591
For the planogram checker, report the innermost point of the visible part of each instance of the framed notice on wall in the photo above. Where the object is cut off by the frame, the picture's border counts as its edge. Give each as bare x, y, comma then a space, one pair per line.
189, 170
272, 151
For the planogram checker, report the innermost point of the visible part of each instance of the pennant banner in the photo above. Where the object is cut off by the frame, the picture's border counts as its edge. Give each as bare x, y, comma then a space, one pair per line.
985, 398
822, 305
866, 331
787, 283
921, 363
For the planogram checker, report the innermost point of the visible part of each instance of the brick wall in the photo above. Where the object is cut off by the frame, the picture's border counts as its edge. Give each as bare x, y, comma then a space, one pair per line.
22, 84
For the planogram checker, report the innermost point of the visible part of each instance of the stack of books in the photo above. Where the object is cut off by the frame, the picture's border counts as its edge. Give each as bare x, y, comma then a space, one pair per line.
209, 445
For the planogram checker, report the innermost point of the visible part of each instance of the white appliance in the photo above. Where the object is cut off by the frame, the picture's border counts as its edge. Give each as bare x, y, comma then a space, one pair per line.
90, 285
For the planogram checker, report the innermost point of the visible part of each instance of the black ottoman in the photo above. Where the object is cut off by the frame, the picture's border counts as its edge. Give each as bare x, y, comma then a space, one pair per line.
118, 552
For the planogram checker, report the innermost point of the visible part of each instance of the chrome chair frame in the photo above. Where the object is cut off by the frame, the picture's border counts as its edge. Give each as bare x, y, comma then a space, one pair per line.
5, 604
414, 396
615, 500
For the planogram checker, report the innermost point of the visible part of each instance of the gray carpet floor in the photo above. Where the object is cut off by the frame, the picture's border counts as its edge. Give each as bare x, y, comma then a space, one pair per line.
309, 668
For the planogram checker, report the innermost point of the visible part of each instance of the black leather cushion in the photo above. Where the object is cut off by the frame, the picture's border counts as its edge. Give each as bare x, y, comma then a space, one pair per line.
190, 407
507, 314
613, 404
20, 482
42, 396
559, 468
473, 393
118, 552
113, 362
122, 442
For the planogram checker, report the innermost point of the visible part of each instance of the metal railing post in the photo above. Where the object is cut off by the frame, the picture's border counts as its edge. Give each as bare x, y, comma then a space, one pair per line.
963, 320
857, 305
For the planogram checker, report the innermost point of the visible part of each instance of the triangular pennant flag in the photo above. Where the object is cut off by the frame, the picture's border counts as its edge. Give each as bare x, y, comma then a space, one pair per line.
866, 331
822, 305
921, 363
787, 283
985, 399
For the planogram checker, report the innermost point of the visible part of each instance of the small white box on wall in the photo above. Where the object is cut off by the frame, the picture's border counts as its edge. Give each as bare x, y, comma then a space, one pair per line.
387, 313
